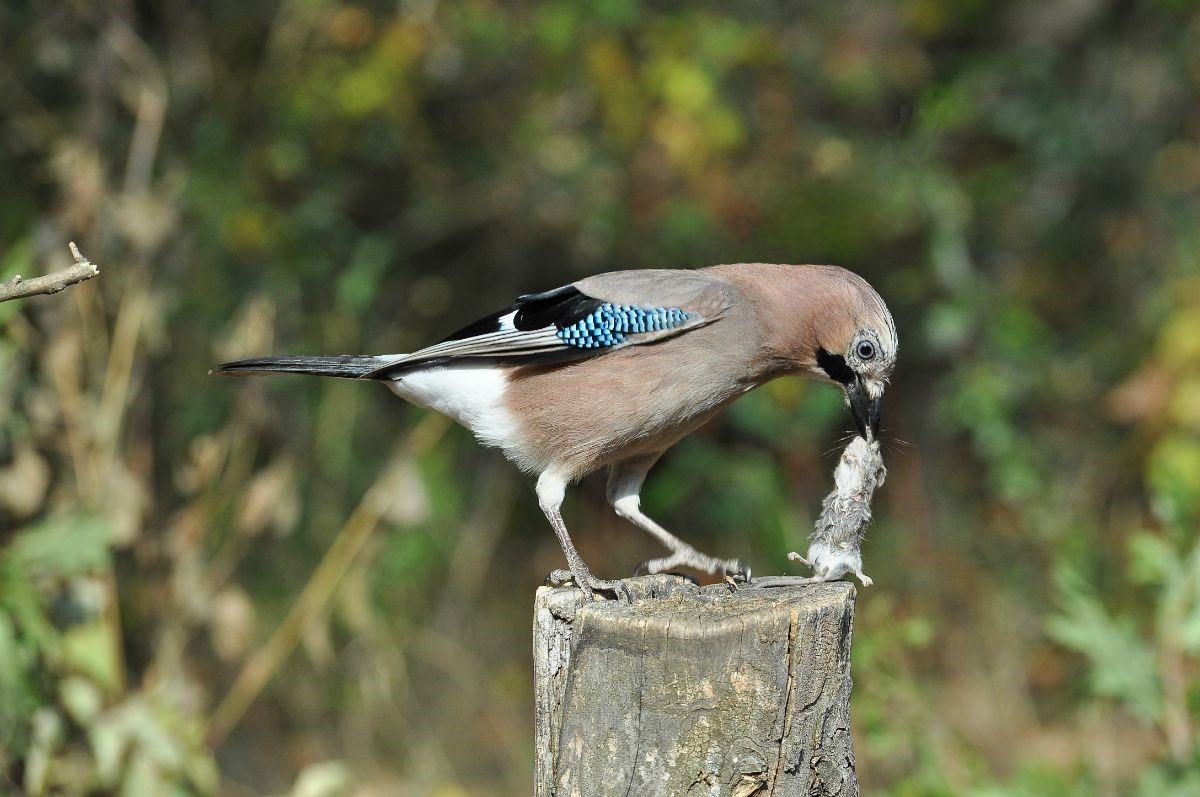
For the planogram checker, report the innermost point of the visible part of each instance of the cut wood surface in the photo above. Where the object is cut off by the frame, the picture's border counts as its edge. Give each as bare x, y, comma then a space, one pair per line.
694, 691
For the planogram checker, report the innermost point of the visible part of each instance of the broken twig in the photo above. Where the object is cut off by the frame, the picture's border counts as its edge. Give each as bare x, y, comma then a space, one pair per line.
19, 288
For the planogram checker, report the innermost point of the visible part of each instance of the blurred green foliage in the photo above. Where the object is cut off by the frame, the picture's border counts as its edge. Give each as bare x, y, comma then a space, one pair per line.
1020, 180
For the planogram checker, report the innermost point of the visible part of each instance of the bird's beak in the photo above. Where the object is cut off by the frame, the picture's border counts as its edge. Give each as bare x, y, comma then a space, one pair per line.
864, 409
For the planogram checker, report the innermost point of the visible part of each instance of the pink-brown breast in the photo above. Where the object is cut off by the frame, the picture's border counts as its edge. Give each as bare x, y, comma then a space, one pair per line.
641, 399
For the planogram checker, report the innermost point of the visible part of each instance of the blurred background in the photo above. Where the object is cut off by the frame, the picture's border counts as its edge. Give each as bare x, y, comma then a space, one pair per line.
306, 587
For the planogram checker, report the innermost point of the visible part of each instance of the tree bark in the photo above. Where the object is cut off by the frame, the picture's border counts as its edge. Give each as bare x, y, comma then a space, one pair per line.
694, 691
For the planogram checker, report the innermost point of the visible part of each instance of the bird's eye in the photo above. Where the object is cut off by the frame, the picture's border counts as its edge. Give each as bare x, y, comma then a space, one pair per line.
865, 350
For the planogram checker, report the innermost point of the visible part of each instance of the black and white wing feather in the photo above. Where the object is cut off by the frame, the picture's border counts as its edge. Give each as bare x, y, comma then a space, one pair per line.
588, 318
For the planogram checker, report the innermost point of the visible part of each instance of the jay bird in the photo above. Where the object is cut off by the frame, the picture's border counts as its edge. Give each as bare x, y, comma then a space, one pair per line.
610, 371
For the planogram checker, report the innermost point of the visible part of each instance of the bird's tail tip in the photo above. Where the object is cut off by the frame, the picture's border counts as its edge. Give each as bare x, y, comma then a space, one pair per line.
344, 366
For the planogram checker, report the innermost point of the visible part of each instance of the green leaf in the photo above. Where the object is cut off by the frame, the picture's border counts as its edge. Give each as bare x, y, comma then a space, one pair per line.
63, 546
89, 649
1121, 662
1152, 560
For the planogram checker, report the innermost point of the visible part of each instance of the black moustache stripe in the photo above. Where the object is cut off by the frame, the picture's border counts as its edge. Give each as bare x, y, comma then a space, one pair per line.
835, 366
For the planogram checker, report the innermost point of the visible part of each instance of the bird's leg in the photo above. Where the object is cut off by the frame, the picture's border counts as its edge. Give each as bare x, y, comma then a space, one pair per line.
551, 489
684, 555
624, 493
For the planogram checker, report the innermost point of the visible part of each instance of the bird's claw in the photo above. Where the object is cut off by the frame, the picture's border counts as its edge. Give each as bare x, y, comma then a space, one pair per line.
594, 589
558, 578
689, 557
618, 589
735, 571
643, 569
621, 591
739, 573
864, 578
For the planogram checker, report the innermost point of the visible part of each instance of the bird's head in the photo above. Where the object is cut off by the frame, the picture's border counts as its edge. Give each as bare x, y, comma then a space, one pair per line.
855, 346
826, 322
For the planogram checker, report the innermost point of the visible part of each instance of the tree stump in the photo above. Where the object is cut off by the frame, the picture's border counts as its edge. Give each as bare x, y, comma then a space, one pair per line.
694, 691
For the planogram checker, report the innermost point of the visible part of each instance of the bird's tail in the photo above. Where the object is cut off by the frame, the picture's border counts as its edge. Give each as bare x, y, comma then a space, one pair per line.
344, 366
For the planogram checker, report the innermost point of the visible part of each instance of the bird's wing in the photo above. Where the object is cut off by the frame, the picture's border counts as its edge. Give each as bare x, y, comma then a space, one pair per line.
585, 319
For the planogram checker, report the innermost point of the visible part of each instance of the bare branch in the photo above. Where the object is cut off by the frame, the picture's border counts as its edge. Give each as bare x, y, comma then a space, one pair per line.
18, 288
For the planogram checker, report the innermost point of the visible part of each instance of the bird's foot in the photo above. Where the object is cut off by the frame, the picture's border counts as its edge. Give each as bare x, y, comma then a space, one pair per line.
616, 588
799, 581
590, 585
559, 578
684, 578
736, 569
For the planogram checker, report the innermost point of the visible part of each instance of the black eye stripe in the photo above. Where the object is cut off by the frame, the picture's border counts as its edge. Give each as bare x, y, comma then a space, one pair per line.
835, 366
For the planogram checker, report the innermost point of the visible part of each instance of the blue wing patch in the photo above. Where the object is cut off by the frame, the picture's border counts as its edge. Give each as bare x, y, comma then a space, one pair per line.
609, 324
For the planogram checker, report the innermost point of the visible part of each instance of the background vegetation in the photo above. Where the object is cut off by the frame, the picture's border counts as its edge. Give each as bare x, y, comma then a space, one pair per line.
1021, 180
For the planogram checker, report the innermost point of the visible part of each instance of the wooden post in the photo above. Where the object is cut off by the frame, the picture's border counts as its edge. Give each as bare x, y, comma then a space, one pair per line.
694, 691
